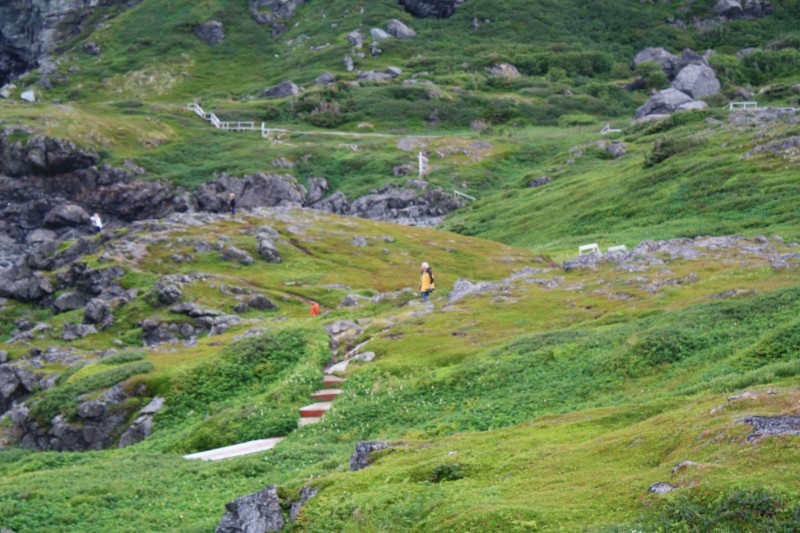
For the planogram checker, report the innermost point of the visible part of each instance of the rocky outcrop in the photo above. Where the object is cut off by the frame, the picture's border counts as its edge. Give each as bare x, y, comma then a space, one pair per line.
31, 29
738, 9
697, 80
361, 456
284, 89
256, 190
440, 9
667, 102
142, 426
257, 512
50, 182
16, 383
691, 78
406, 206
274, 13
764, 426
23, 284
210, 32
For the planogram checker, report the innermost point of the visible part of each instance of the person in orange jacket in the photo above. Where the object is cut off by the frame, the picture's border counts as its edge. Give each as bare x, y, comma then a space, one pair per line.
426, 283
314, 309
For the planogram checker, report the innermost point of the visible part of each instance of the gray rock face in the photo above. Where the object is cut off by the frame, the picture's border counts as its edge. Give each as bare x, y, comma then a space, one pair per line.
336, 203
210, 32
371, 75
16, 383
616, 149
92, 409
69, 301
440, 9
254, 513
3, 356
667, 102
737, 9
284, 89
697, 81
306, 494
317, 189
256, 190
397, 29
32, 29
141, 428
406, 206
23, 284
360, 458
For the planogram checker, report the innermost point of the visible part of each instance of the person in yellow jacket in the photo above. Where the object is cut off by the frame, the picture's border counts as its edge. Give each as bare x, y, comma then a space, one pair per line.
426, 283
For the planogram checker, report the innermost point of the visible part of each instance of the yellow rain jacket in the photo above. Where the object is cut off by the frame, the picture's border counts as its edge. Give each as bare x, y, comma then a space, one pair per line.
426, 284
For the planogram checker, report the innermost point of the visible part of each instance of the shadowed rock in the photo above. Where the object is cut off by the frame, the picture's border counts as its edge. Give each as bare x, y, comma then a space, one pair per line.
440, 9
360, 458
210, 32
254, 513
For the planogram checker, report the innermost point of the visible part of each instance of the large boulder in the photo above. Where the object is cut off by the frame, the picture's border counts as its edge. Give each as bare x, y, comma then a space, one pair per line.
42, 156
98, 312
210, 32
697, 80
355, 38
397, 29
440, 9
70, 301
23, 284
656, 55
317, 189
66, 215
667, 102
254, 513
256, 190
15, 383
284, 89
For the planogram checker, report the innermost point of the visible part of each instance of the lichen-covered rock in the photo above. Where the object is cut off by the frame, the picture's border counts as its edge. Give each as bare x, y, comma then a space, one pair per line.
503, 70
660, 488
254, 513
69, 301
667, 102
74, 332
232, 253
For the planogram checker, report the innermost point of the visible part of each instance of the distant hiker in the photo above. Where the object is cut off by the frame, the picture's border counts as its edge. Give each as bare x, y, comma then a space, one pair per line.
314, 309
232, 203
97, 222
426, 283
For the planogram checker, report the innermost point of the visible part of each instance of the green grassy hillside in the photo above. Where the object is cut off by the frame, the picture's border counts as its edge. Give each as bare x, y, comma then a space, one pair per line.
551, 400
548, 403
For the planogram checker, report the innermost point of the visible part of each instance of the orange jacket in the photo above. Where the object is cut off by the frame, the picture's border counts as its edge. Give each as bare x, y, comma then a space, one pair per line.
314, 309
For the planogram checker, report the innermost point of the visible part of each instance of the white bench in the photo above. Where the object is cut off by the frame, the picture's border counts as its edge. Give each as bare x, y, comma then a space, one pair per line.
620, 248
742, 106
589, 249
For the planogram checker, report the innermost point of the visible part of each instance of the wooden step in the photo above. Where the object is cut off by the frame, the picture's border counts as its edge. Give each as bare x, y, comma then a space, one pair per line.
236, 450
315, 409
332, 380
326, 395
309, 420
